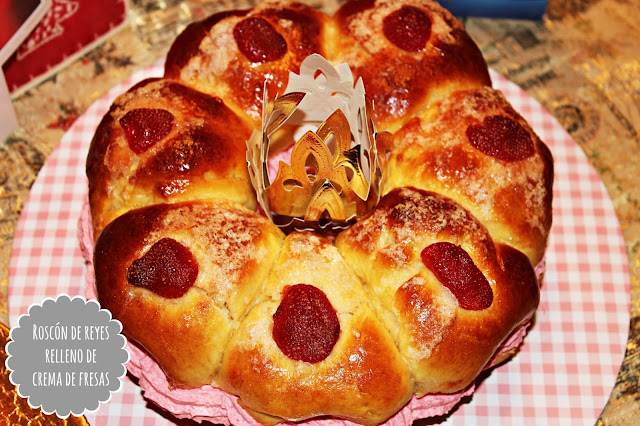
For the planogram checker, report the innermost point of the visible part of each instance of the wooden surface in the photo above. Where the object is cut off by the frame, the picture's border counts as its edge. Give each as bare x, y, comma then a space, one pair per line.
582, 62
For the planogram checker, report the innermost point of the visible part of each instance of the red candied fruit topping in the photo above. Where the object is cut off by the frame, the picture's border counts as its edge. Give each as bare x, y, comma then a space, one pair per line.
259, 41
455, 269
144, 127
168, 269
408, 28
517, 266
305, 325
502, 138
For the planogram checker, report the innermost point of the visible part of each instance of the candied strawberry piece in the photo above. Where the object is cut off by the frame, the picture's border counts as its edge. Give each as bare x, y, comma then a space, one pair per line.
502, 138
168, 269
455, 269
517, 266
143, 127
259, 41
305, 325
409, 28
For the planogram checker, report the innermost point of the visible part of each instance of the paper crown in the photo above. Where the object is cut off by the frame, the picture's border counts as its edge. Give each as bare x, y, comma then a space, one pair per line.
334, 173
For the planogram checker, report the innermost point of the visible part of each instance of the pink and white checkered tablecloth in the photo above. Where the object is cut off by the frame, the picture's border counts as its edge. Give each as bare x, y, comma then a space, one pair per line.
568, 363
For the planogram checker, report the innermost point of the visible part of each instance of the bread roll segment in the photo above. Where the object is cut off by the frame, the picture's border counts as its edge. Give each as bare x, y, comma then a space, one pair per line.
234, 249
402, 83
363, 379
200, 153
445, 345
210, 55
511, 198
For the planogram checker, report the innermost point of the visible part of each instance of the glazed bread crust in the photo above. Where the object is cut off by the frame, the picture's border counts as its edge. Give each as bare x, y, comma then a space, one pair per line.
415, 298
200, 155
402, 83
445, 344
207, 57
511, 198
363, 379
234, 249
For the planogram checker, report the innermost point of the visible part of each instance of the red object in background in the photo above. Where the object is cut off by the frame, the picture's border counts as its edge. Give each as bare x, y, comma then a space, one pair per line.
67, 29
12, 15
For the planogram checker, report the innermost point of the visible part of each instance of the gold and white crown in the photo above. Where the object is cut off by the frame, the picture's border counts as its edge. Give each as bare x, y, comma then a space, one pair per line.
334, 173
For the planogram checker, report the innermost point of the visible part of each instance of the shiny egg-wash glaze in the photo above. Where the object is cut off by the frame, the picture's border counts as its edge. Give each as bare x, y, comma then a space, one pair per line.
424, 288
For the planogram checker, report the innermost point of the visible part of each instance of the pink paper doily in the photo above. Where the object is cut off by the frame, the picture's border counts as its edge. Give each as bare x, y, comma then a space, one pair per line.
567, 365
